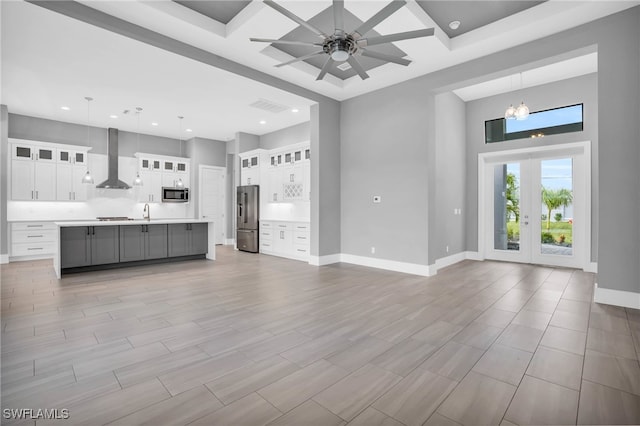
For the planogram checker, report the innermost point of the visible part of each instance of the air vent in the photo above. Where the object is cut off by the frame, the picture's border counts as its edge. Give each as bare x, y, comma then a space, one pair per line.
344, 66
270, 106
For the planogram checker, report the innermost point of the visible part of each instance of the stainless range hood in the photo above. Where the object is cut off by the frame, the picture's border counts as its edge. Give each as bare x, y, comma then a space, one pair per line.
112, 181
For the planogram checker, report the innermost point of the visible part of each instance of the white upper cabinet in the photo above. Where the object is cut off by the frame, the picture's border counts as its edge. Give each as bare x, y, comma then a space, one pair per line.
34, 171
250, 166
159, 171
70, 169
289, 174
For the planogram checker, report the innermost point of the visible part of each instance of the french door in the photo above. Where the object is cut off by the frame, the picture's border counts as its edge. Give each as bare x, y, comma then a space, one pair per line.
535, 207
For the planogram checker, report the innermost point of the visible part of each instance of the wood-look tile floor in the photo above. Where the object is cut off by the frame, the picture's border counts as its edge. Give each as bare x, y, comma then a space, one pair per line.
254, 340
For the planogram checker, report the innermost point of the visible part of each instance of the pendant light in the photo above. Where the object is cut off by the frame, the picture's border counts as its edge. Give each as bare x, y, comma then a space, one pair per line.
87, 178
521, 112
510, 113
179, 183
138, 180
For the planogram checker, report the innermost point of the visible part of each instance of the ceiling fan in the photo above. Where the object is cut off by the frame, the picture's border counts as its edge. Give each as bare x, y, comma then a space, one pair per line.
342, 46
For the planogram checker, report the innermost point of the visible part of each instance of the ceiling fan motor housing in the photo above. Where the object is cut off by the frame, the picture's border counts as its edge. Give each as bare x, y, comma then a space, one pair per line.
339, 48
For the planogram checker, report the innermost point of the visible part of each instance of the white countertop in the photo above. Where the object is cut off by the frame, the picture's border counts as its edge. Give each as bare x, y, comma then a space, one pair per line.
96, 222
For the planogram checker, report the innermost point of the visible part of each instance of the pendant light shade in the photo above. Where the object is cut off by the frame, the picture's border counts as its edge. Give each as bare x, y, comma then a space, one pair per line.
510, 113
138, 180
522, 112
87, 178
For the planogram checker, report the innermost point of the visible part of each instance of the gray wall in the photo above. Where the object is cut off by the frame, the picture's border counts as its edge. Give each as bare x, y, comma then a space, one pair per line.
325, 179
4, 192
450, 177
378, 127
246, 142
582, 89
42, 129
288, 136
205, 152
384, 152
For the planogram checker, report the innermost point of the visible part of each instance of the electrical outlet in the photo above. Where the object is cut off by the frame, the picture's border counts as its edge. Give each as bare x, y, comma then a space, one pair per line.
373, 250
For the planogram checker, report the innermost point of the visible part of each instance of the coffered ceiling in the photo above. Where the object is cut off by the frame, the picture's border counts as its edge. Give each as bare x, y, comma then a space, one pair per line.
50, 60
486, 27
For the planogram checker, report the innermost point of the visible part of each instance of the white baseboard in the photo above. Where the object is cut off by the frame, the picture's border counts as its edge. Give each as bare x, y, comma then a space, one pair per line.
473, 255
391, 265
591, 267
623, 298
4, 258
229, 241
325, 260
450, 260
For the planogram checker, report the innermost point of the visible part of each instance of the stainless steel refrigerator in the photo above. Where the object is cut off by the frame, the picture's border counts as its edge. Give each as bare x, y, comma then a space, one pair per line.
247, 214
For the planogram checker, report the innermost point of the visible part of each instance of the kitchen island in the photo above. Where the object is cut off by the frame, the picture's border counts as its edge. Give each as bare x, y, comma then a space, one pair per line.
93, 244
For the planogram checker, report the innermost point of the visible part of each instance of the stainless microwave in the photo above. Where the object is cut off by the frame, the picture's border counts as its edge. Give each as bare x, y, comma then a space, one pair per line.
175, 195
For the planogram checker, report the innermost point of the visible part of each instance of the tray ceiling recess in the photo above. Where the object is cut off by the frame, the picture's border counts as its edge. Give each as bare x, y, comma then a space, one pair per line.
340, 46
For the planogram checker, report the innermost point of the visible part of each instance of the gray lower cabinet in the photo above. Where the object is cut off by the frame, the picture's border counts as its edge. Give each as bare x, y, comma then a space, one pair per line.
187, 239
143, 242
89, 245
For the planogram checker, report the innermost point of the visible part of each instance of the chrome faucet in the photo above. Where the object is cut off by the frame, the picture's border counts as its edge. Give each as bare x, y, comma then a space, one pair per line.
146, 213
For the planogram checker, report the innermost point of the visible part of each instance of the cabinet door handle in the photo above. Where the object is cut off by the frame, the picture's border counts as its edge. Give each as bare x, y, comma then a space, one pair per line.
291, 177
36, 195
35, 248
34, 226
35, 236
88, 230
32, 195
74, 196
70, 196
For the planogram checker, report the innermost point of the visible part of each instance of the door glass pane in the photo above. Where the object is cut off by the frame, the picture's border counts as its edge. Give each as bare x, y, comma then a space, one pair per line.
557, 207
79, 157
506, 206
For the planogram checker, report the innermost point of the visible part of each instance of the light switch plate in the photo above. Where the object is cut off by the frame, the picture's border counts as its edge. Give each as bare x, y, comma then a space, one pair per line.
377, 199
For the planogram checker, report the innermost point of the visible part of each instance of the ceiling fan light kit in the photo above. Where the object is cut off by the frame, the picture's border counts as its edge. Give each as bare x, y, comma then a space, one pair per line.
341, 46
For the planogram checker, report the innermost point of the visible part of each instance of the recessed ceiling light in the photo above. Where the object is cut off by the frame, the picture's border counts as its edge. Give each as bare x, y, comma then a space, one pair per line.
65, 108
295, 110
263, 122
454, 25
154, 124
188, 130
113, 116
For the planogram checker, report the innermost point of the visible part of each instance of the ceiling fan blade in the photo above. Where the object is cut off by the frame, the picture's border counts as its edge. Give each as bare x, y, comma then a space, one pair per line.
356, 66
385, 57
301, 58
338, 14
295, 18
386, 11
395, 37
274, 41
325, 68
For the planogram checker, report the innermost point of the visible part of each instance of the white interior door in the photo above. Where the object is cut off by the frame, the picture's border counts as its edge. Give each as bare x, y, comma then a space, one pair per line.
536, 208
212, 200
